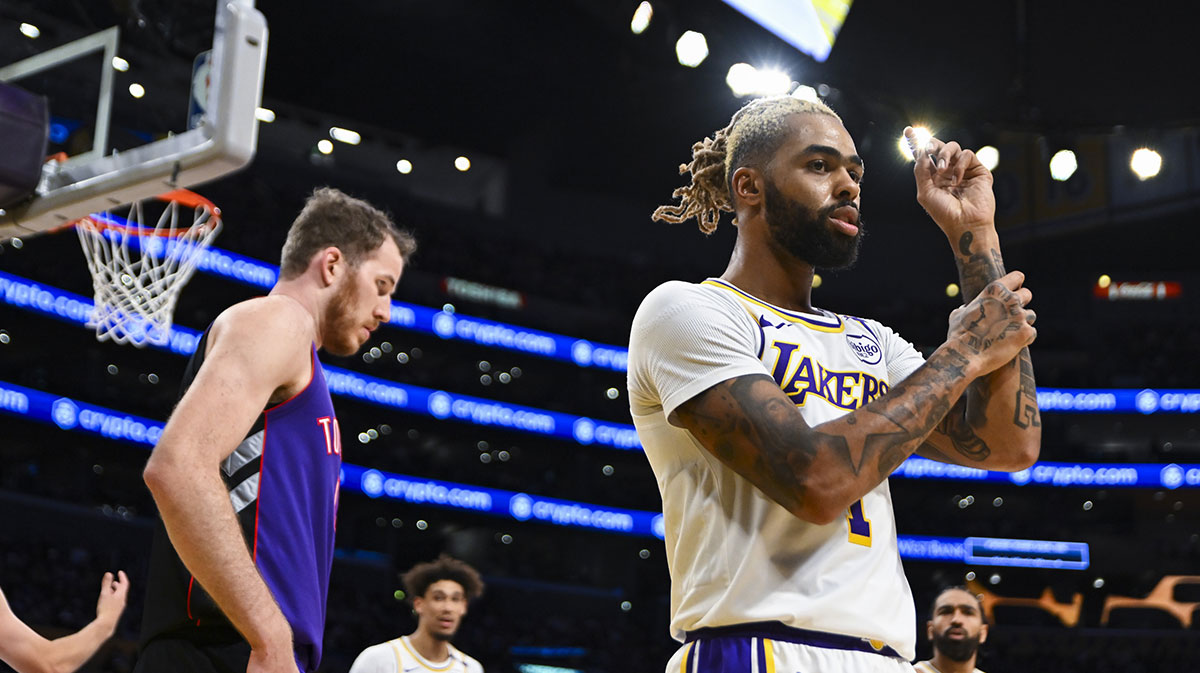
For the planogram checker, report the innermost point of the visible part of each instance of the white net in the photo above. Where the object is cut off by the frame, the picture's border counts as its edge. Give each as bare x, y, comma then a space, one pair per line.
139, 269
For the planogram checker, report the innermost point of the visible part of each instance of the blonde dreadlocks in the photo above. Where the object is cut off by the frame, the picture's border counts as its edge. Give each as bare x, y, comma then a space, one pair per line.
749, 140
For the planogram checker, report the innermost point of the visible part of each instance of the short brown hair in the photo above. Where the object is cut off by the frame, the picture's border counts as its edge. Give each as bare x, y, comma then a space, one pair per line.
332, 218
418, 580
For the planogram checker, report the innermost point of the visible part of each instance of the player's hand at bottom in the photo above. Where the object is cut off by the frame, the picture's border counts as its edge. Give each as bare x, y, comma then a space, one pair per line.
111, 603
996, 325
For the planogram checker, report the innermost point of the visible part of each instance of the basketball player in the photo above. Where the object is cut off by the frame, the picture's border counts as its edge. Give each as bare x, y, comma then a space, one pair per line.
772, 425
956, 629
27, 652
245, 475
440, 591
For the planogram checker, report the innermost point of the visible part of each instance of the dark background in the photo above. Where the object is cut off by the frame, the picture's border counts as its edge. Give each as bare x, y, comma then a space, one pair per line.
575, 127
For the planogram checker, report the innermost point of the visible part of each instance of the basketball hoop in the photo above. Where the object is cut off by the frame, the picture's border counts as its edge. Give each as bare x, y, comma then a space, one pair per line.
139, 269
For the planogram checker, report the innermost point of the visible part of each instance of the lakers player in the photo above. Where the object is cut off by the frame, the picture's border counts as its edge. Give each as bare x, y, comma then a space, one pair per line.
957, 629
772, 425
245, 475
440, 591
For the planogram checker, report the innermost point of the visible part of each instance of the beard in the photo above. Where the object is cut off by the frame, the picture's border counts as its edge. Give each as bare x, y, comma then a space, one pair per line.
957, 650
341, 329
807, 235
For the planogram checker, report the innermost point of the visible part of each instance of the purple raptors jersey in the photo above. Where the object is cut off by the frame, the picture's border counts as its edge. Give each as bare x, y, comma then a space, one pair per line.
283, 484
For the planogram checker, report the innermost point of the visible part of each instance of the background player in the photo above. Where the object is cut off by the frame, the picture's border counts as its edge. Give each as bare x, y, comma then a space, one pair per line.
772, 425
27, 652
956, 629
241, 583
440, 591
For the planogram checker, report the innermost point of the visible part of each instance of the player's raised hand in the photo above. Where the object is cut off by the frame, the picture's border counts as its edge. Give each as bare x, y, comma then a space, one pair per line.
111, 603
996, 325
953, 186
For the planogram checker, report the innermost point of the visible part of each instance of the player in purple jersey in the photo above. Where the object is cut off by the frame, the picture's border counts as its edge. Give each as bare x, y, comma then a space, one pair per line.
245, 474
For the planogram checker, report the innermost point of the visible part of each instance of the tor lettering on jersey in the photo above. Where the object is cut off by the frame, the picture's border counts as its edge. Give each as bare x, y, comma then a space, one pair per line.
333, 435
800, 376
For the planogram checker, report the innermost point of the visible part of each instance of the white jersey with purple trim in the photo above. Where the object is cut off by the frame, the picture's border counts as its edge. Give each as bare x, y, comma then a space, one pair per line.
399, 656
735, 556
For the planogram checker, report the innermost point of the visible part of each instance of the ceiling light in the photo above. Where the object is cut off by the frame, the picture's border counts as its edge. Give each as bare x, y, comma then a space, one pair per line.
404, 166
263, 114
345, 135
988, 156
120, 64
1063, 165
324, 146
137, 90
463, 164
30, 31
773, 82
641, 18
742, 79
691, 49
1146, 163
806, 92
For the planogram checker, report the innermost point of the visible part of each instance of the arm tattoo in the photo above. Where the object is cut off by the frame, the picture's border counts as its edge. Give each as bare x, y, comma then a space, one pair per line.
749, 425
976, 269
1026, 412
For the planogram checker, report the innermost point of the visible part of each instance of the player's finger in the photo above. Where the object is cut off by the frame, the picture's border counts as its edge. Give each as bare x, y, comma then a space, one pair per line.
962, 162
1024, 296
1012, 280
106, 582
945, 153
1030, 316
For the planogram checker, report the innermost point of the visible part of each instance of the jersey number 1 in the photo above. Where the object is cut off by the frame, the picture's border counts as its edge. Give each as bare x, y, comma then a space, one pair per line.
858, 524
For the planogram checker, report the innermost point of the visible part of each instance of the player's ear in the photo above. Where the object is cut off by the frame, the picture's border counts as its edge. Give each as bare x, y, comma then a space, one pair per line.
332, 263
747, 185
929, 630
983, 634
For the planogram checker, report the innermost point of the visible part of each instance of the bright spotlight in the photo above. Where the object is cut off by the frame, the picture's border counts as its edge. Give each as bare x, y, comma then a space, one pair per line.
137, 90
1063, 165
1146, 163
988, 156
263, 114
345, 135
773, 82
806, 92
641, 18
463, 164
691, 49
923, 136
30, 31
324, 146
816, 280
119, 64
742, 79
404, 166
952, 290
1104, 281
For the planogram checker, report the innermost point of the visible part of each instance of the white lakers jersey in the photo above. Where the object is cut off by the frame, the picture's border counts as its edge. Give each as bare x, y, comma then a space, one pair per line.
734, 555
399, 656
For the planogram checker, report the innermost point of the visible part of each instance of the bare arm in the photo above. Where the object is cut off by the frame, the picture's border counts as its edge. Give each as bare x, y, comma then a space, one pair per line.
817, 472
27, 652
256, 350
996, 425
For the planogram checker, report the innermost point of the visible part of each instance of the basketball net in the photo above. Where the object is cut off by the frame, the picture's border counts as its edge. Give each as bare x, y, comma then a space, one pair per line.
139, 269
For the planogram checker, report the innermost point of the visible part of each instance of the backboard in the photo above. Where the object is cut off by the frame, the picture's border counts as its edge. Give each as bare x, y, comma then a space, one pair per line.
170, 111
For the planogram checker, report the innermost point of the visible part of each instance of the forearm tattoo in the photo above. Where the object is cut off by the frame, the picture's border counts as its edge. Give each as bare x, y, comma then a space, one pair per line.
977, 268
751, 427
